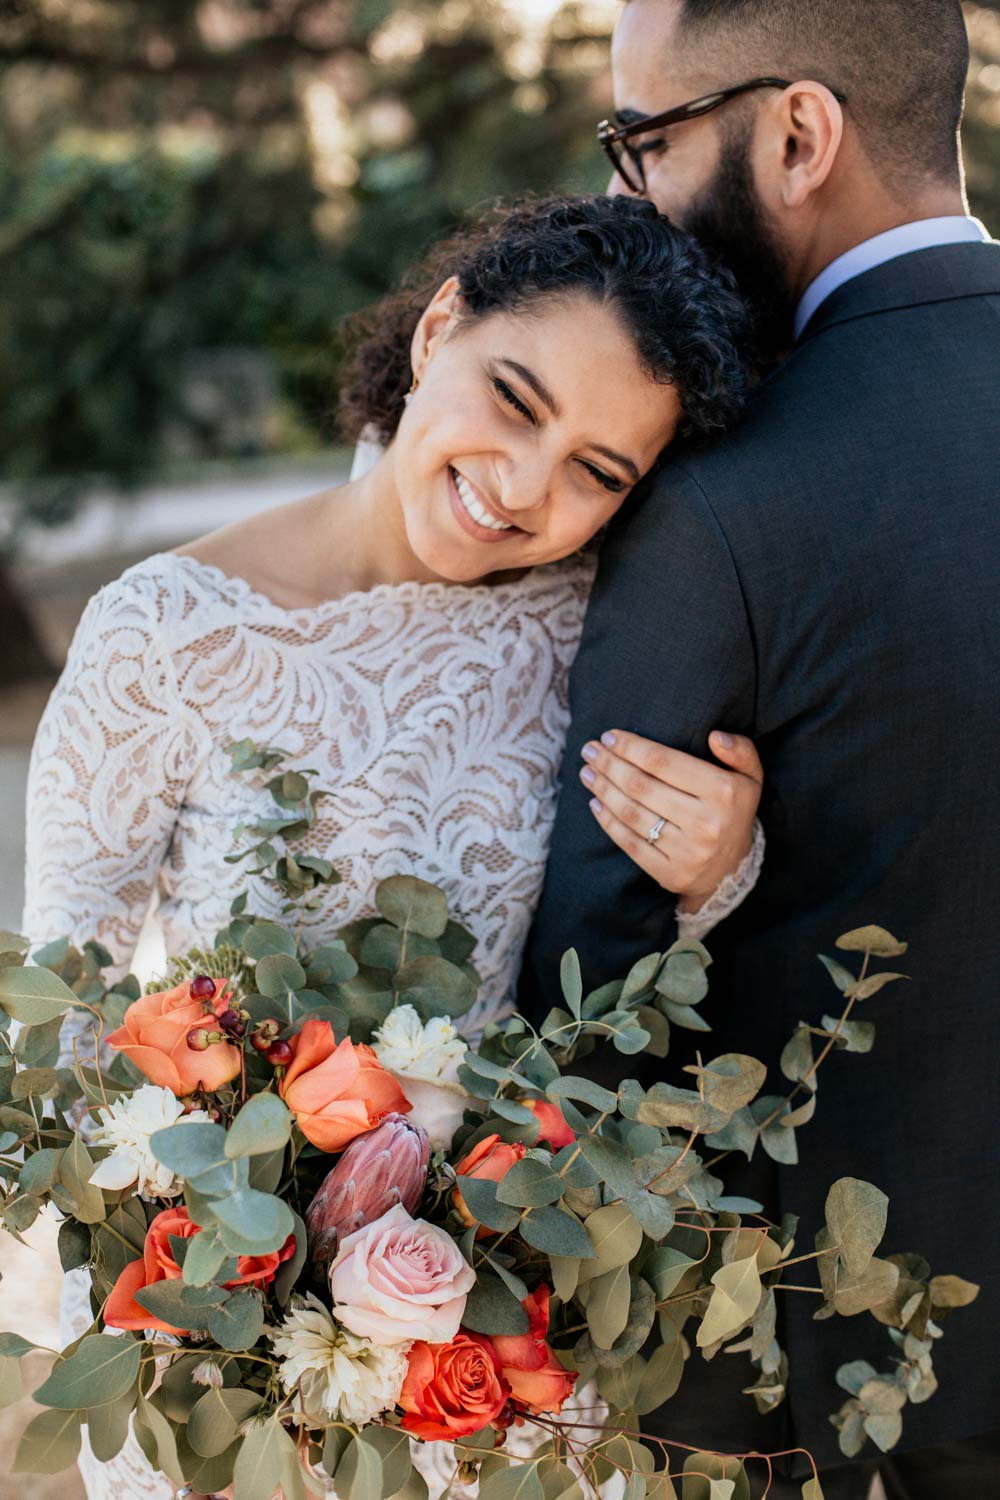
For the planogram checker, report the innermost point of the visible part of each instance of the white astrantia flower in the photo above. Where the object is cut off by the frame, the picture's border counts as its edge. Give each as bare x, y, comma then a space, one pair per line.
424, 1060
406, 1045
338, 1375
126, 1126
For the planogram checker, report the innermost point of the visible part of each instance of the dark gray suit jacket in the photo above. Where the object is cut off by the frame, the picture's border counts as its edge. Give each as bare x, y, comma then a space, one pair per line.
827, 580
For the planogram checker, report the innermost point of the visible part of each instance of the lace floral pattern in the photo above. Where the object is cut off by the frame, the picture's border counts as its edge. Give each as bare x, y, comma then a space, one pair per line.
435, 715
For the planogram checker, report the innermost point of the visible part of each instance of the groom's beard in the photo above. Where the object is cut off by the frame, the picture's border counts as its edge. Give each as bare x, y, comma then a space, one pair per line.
731, 224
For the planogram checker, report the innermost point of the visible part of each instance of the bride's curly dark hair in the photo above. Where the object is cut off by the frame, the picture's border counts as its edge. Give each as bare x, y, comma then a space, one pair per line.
684, 313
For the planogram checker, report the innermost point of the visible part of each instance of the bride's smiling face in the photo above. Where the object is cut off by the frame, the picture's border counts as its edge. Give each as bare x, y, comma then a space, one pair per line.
525, 434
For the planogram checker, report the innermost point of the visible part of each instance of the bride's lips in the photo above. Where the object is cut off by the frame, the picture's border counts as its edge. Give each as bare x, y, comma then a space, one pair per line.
481, 533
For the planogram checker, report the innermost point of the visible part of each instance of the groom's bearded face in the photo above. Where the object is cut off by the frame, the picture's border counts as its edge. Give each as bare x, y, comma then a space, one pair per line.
700, 173
729, 220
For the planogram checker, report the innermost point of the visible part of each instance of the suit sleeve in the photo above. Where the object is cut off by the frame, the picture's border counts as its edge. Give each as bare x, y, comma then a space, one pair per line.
667, 652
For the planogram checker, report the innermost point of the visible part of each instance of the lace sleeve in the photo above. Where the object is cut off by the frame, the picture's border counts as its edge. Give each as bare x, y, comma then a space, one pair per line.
728, 896
109, 767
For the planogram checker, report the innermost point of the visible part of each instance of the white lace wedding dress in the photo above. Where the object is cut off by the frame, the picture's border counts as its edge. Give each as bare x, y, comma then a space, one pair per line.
435, 714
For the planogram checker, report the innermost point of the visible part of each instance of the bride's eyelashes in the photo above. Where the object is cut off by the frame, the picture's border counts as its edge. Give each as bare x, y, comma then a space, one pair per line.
612, 485
512, 400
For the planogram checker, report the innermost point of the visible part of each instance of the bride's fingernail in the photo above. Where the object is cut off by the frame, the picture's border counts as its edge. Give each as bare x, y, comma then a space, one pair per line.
595, 806
610, 739
725, 740
589, 752
587, 776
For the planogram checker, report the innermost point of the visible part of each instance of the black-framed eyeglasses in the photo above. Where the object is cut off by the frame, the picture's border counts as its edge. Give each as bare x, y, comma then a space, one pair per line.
627, 160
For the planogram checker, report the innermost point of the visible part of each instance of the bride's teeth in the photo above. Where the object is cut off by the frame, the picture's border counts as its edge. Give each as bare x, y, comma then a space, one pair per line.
477, 511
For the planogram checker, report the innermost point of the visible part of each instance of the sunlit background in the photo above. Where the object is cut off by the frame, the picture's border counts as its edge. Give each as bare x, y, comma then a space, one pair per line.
192, 194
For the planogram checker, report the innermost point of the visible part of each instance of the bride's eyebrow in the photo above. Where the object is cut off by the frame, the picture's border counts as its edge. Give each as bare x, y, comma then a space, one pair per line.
545, 395
530, 379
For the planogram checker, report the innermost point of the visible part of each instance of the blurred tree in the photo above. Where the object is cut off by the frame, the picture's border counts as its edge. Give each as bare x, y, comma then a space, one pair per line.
187, 175
177, 177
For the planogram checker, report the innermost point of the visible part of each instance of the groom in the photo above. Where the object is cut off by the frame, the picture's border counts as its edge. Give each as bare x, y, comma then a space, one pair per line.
825, 580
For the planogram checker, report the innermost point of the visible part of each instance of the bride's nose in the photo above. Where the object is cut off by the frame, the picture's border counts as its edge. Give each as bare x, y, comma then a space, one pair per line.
525, 486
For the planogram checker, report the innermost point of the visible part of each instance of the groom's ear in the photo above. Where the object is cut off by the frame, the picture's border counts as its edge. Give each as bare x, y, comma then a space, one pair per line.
805, 131
436, 322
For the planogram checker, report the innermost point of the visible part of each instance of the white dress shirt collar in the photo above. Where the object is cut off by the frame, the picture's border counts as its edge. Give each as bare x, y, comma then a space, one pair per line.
923, 234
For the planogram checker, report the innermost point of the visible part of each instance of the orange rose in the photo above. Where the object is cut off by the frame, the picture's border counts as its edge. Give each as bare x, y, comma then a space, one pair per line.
453, 1389
336, 1092
158, 1264
552, 1122
155, 1032
492, 1159
538, 1382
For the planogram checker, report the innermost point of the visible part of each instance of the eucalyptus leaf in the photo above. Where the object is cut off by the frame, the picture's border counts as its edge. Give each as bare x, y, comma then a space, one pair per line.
412, 905
584, 1090
101, 1368
556, 1232
239, 1322
952, 1291
215, 1419
661, 1377
34, 996
571, 981
518, 1481
264, 939
253, 1223
279, 974
108, 1426
614, 1234
434, 987
40, 1171
49, 1444
260, 1461
33, 1083
359, 1472
608, 1301
733, 1302
490, 1308
264, 1124
612, 1163
874, 940
530, 1183
875, 1285
856, 1216
480, 1196
682, 978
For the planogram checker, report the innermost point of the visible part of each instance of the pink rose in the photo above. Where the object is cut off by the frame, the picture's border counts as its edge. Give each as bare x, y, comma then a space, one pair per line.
400, 1279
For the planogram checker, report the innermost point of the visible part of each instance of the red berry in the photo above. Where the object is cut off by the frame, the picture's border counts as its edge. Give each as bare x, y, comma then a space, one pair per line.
198, 1039
232, 1021
202, 988
280, 1054
264, 1034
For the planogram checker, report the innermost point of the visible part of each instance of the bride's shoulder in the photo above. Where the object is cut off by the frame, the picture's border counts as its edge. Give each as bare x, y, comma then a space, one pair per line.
263, 555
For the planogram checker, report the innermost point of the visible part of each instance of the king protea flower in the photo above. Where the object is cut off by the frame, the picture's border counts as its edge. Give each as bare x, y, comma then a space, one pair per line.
386, 1166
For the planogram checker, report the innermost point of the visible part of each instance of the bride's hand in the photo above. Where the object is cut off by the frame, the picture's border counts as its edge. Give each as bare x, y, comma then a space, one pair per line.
708, 811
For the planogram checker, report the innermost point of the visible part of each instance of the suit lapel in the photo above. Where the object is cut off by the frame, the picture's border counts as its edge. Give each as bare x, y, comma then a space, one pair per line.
944, 273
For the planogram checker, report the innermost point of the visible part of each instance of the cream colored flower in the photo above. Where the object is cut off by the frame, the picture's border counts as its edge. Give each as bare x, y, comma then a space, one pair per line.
338, 1375
126, 1126
424, 1059
406, 1045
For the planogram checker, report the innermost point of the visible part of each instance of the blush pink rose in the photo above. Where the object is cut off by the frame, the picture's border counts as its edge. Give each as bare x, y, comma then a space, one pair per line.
400, 1279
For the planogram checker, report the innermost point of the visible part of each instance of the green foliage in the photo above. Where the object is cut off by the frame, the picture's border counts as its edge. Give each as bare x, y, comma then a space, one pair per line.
628, 1223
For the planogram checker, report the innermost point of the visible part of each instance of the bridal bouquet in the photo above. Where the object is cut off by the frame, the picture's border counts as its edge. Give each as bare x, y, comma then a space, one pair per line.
320, 1229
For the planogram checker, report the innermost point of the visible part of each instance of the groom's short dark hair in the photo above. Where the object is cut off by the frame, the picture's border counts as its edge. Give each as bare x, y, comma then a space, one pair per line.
901, 63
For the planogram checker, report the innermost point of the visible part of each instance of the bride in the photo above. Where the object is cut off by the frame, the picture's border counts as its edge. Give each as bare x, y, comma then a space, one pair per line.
409, 633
